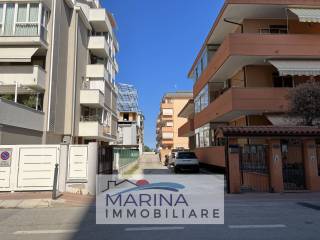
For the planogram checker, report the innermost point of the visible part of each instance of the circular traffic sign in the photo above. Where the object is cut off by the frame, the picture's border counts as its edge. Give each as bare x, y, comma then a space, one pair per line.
5, 155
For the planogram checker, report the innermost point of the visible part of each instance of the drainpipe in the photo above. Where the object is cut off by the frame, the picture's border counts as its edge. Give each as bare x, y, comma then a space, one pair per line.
51, 63
245, 85
239, 24
75, 57
227, 164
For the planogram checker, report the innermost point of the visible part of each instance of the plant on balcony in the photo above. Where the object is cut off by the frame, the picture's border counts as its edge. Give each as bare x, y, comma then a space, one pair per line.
9, 97
29, 101
305, 102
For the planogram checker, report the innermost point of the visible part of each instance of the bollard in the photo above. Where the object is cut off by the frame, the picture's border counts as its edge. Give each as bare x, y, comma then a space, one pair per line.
55, 182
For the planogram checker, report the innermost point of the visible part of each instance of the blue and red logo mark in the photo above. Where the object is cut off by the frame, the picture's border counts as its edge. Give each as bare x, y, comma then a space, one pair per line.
5, 155
143, 184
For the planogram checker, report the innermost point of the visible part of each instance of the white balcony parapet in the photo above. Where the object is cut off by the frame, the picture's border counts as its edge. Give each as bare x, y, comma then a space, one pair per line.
94, 130
97, 71
18, 115
91, 97
99, 20
30, 76
99, 46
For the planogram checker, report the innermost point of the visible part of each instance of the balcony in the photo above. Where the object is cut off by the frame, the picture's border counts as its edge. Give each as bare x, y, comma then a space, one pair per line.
99, 46
187, 129
166, 142
96, 71
99, 20
91, 98
167, 135
18, 115
167, 129
237, 102
166, 105
239, 50
29, 76
25, 34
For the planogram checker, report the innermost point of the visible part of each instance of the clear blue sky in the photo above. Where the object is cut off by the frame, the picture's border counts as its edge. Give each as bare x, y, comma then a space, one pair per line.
159, 40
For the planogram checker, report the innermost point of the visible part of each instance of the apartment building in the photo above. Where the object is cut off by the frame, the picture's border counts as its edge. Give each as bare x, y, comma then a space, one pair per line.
169, 122
57, 72
130, 118
254, 54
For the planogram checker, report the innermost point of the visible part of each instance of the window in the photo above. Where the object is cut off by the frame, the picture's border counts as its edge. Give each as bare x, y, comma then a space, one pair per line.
201, 66
186, 155
167, 135
126, 116
167, 112
282, 81
1, 17
169, 124
203, 136
202, 100
23, 19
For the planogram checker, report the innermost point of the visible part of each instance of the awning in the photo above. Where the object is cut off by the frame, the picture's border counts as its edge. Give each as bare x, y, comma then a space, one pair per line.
307, 14
268, 131
10, 54
297, 67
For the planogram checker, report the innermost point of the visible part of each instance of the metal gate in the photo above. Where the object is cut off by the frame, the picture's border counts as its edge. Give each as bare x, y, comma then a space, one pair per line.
254, 168
293, 165
28, 167
105, 160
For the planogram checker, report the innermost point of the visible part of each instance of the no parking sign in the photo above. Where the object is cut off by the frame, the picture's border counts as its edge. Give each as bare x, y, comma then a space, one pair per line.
5, 157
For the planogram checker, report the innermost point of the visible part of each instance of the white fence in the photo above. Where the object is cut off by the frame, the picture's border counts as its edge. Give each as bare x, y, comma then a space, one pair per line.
31, 167
26, 167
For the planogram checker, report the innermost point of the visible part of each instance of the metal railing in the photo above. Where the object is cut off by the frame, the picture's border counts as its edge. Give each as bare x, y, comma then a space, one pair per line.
90, 118
26, 29
273, 31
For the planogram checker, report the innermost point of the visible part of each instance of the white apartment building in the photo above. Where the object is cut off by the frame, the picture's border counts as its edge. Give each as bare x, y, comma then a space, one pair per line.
57, 72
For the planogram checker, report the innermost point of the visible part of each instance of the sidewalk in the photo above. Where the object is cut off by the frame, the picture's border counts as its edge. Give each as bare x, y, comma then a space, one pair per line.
43, 200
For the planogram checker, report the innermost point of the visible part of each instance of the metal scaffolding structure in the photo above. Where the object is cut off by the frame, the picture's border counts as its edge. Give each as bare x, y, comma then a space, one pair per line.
127, 98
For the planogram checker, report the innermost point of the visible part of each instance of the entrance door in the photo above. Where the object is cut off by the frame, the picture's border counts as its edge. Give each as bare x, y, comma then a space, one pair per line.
292, 165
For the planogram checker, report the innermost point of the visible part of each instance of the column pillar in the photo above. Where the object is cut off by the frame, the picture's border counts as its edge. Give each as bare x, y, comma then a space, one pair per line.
234, 165
275, 166
310, 165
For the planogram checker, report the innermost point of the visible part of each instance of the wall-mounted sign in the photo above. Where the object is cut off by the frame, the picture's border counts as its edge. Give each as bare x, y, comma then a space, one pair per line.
5, 157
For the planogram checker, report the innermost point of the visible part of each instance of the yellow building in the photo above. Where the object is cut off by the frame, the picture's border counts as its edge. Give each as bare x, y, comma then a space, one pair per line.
169, 122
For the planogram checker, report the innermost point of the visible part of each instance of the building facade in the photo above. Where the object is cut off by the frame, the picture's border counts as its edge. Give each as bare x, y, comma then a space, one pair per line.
130, 118
57, 72
169, 122
255, 53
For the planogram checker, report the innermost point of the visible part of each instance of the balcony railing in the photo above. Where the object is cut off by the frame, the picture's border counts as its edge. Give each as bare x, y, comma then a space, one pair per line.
273, 31
27, 29
91, 118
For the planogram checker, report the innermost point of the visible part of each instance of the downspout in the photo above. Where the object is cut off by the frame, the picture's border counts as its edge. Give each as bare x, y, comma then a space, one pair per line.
239, 24
245, 85
227, 164
51, 60
75, 57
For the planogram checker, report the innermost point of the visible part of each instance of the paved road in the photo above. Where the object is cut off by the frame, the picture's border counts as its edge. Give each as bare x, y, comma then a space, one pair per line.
248, 216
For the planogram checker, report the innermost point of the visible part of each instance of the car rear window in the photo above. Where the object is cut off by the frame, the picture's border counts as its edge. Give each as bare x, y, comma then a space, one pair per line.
185, 155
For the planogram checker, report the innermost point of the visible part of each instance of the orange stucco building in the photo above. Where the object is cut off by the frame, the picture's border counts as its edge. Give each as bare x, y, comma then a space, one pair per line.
169, 122
255, 53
